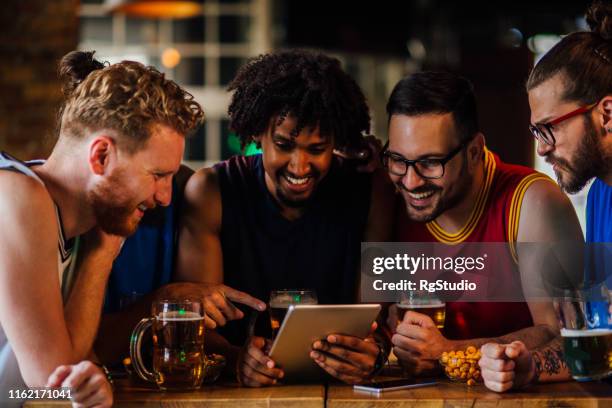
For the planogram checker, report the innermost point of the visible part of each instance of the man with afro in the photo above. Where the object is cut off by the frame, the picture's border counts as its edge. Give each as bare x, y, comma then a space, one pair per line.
293, 216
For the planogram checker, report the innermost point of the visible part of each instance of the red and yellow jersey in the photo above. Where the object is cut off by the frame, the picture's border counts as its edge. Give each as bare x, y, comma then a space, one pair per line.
494, 218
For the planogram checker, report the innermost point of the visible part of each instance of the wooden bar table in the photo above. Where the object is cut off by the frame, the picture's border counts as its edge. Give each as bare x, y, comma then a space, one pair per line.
448, 394
215, 396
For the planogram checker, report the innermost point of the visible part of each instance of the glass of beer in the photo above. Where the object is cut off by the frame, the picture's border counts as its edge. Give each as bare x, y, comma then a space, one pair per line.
586, 329
280, 300
178, 345
421, 301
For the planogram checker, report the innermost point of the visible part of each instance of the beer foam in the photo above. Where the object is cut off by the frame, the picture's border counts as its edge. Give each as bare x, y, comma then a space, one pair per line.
284, 303
175, 316
585, 333
280, 304
420, 305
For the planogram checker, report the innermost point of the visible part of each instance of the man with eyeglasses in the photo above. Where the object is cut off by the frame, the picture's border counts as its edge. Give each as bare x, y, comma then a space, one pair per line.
456, 190
570, 95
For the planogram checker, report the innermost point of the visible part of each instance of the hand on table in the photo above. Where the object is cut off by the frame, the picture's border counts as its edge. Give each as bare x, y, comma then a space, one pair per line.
418, 344
506, 366
88, 384
255, 368
347, 358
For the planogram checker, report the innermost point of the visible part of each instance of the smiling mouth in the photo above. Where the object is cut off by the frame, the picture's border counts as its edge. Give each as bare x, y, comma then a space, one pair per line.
421, 196
297, 181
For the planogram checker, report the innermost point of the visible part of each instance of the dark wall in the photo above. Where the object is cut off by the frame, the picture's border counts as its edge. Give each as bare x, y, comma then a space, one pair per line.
35, 34
472, 38
499, 83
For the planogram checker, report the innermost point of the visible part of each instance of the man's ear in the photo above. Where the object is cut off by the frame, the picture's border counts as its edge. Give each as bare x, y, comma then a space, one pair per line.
475, 150
605, 107
101, 151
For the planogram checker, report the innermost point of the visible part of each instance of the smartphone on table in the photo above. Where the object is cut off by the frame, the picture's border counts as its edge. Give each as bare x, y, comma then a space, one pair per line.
378, 387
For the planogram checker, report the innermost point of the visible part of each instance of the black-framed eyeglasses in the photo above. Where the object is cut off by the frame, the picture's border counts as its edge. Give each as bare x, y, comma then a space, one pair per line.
397, 165
544, 131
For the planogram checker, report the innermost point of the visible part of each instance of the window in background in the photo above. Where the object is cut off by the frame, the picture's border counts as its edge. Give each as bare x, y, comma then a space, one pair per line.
190, 71
195, 146
234, 29
190, 30
228, 67
97, 29
201, 53
140, 31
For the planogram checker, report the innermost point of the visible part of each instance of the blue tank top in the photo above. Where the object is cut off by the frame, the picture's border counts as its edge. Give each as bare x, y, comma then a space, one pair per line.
145, 262
599, 241
147, 258
263, 251
599, 212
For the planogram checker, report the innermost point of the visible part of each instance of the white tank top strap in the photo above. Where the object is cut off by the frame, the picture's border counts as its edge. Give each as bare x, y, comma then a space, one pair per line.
66, 248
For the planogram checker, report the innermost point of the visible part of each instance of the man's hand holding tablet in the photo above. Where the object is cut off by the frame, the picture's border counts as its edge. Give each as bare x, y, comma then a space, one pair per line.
337, 338
255, 367
347, 358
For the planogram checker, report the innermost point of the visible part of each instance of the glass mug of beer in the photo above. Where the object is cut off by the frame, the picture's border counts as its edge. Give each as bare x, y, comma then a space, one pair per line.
421, 301
280, 300
586, 329
178, 345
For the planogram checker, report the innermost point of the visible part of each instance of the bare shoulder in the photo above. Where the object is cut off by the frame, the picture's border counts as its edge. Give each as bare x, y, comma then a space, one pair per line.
28, 222
23, 195
203, 198
202, 183
547, 214
546, 195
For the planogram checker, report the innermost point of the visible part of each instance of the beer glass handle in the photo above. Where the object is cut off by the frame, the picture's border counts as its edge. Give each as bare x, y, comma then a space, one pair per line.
135, 352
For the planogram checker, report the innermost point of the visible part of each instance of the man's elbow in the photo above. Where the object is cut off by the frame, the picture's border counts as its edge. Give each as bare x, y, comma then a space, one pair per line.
36, 378
36, 373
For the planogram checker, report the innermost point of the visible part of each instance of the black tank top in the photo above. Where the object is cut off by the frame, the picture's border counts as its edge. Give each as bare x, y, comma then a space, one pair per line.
263, 251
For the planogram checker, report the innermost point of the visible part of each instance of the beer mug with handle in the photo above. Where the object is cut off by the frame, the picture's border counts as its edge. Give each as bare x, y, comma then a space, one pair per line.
178, 345
586, 328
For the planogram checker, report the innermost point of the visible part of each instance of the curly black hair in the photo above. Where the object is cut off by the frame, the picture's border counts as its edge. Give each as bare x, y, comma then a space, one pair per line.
309, 86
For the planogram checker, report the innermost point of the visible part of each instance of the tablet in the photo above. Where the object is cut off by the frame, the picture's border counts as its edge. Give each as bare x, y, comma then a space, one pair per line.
304, 324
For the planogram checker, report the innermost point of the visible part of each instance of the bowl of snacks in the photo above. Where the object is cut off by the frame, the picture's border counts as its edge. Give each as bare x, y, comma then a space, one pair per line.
462, 365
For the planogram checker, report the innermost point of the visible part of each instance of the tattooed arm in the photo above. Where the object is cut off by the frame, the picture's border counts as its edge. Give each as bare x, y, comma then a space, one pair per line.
508, 366
550, 363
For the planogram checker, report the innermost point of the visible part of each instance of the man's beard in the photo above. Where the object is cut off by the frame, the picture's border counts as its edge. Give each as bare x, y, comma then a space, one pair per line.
587, 162
113, 215
291, 202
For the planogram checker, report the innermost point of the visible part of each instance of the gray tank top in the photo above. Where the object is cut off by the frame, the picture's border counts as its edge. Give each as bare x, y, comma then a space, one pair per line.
10, 376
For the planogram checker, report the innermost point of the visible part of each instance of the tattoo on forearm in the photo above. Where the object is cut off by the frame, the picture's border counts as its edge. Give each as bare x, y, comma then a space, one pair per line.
550, 359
